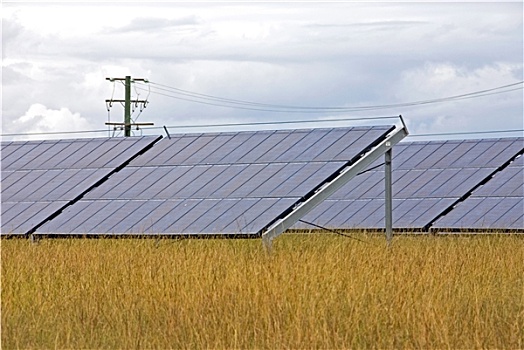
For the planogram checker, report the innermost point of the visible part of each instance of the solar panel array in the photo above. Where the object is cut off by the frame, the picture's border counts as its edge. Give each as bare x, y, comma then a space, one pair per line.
215, 183
499, 204
39, 178
428, 178
238, 183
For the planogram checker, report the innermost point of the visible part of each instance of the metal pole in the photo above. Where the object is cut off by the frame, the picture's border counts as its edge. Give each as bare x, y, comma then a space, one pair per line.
388, 196
127, 108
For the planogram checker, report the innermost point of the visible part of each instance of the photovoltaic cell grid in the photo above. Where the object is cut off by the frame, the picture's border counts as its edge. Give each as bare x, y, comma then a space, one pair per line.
428, 177
41, 177
499, 204
220, 183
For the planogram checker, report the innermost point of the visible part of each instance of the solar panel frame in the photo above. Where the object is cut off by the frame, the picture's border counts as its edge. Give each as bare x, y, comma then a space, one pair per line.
315, 178
174, 203
36, 176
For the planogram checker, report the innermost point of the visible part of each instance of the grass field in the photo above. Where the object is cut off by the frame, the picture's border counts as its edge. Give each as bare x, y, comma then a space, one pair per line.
312, 291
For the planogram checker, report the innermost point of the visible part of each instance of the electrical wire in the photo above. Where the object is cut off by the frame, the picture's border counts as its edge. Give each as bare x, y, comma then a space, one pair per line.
53, 133
467, 133
332, 231
194, 94
280, 122
242, 104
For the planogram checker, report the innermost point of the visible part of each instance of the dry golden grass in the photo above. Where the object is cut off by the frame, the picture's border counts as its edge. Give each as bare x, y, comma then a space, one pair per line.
312, 291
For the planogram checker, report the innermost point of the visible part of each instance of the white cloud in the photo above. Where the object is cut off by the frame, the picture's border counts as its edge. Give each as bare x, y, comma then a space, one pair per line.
320, 54
436, 80
40, 119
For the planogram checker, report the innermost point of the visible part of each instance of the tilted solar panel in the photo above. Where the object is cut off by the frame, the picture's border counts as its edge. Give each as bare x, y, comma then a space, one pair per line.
428, 177
39, 178
216, 183
496, 205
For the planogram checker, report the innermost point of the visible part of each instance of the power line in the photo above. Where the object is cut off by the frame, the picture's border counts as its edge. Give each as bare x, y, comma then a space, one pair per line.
280, 122
269, 123
54, 133
195, 97
467, 133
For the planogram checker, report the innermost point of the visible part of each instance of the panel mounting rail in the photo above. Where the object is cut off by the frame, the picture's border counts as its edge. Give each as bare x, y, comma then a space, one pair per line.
345, 175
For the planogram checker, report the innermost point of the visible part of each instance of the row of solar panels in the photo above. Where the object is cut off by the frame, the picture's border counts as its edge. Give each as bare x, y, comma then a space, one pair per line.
240, 182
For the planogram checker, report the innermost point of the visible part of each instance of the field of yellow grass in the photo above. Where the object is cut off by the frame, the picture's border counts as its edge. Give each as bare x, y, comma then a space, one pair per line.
311, 291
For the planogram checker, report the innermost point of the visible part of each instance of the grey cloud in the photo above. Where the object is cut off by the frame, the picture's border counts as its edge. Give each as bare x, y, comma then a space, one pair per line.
149, 24
369, 25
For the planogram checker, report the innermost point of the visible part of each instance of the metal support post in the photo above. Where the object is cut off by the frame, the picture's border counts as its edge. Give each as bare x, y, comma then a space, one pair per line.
305, 205
388, 196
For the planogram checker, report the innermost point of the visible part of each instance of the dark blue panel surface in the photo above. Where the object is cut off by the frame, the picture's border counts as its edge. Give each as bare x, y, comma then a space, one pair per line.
255, 154
33, 214
265, 211
224, 174
25, 161
432, 174
233, 219
23, 151
225, 153
283, 146
167, 185
210, 183
49, 174
315, 179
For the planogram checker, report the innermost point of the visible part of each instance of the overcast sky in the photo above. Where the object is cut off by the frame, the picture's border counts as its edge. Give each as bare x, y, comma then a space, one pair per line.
56, 56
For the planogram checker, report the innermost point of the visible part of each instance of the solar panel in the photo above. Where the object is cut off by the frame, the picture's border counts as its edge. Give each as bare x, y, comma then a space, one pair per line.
39, 178
219, 183
428, 177
498, 204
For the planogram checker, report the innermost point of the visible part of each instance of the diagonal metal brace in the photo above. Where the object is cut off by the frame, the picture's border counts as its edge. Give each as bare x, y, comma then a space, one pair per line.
331, 187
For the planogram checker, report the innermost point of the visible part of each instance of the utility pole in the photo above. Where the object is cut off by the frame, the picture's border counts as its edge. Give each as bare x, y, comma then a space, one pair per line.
127, 103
